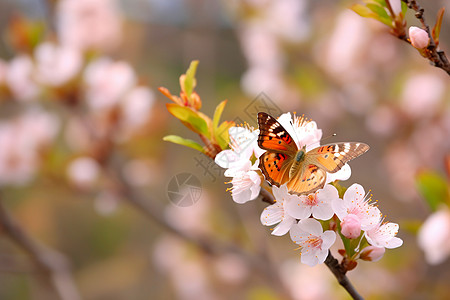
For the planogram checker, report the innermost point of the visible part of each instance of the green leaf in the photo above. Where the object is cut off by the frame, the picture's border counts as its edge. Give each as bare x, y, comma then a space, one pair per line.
437, 26
189, 81
433, 187
218, 113
221, 134
362, 10
374, 12
380, 14
185, 142
190, 118
381, 3
404, 8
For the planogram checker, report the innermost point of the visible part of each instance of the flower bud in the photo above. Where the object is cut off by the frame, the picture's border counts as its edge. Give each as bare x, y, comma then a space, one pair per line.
419, 37
351, 226
372, 253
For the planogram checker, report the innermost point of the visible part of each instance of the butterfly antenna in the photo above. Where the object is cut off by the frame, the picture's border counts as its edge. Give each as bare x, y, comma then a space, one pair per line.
327, 137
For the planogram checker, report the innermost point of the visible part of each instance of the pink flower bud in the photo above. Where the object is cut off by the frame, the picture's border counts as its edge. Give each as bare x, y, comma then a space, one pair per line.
372, 253
419, 37
351, 226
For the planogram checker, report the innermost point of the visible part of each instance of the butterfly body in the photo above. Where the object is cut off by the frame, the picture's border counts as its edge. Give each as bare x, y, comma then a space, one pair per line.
303, 171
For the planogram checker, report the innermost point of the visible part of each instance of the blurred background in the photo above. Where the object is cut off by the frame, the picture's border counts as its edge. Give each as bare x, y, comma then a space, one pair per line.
84, 171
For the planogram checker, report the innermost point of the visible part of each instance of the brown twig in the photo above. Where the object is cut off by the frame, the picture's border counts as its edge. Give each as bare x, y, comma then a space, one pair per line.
51, 264
436, 57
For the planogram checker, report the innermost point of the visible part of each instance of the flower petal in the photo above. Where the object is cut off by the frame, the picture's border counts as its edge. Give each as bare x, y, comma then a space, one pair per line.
272, 214
311, 226
284, 226
328, 239
323, 212
295, 207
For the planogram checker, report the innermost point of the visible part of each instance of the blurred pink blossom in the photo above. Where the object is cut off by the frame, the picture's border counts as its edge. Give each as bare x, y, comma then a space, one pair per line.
136, 107
422, 94
19, 78
107, 81
83, 172
434, 236
288, 19
344, 49
187, 272
89, 24
305, 283
382, 121
231, 268
21, 140
55, 65
419, 37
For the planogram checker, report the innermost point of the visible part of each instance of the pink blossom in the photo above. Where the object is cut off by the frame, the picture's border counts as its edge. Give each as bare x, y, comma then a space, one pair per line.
434, 236
317, 204
384, 235
357, 203
372, 253
107, 82
19, 78
419, 37
422, 94
136, 106
277, 213
56, 64
21, 139
83, 172
89, 24
351, 226
246, 186
313, 242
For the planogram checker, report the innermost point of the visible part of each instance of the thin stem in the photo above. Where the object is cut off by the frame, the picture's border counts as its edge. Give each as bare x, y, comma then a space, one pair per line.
51, 264
339, 272
436, 57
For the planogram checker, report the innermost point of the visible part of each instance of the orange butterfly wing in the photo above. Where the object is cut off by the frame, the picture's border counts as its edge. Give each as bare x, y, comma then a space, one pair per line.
311, 175
273, 137
333, 157
281, 148
275, 167
307, 180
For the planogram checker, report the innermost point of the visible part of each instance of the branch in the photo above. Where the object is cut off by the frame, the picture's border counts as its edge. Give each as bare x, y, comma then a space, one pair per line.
436, 57
339, 272
332, 263
207, 244
51, 264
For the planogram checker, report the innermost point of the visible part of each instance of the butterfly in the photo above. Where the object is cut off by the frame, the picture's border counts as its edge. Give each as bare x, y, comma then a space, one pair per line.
304, 171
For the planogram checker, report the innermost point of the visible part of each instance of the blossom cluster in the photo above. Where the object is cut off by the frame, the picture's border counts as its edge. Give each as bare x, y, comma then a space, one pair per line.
306, 216
105, 97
